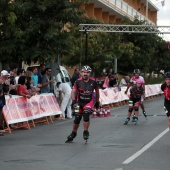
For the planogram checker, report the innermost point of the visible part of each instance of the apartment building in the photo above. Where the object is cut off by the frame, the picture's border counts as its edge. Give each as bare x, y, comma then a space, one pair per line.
114, 11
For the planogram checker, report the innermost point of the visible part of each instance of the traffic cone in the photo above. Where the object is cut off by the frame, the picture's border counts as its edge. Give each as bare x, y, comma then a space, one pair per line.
101, 113
94, 114
108, 111
105, 112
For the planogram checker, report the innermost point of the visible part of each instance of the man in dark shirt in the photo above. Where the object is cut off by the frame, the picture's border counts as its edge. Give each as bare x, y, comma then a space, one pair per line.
75, 76
83, 97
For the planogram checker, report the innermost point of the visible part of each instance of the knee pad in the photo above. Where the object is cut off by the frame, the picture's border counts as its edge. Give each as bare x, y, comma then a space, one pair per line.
136, 108
77, 118
130, 109
86, 114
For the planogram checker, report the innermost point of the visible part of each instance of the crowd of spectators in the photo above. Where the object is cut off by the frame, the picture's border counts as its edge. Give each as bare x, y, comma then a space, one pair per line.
111, 80
16, 81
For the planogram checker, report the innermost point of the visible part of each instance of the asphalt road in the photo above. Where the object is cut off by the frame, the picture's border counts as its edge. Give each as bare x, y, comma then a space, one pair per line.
112, 145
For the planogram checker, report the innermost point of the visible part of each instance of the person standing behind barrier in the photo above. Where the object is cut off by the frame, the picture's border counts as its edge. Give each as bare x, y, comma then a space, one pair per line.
106, 82
135, 100
2, 103
40, 72
65, 100
85, 87
113, 81
22, 88
124, 81
34, 77
133, 82
165, 87
75, 76
23, 91
46, 81
20, 72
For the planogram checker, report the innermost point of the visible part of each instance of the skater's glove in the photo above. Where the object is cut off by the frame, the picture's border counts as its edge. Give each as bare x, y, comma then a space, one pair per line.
73, 103
97, 105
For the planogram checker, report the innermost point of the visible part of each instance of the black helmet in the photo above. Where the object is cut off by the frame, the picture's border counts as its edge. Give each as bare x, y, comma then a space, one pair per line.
136, 71
167, 75
86, 68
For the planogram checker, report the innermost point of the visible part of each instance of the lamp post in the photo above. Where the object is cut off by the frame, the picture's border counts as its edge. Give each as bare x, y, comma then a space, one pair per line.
86, 46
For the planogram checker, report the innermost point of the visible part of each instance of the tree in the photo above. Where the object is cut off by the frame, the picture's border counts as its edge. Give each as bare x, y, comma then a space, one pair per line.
37, 29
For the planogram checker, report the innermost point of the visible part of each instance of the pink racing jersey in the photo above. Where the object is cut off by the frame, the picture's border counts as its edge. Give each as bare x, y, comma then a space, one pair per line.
134, 79
85, 91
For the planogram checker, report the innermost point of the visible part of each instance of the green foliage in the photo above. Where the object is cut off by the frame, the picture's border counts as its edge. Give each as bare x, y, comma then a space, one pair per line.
48, 29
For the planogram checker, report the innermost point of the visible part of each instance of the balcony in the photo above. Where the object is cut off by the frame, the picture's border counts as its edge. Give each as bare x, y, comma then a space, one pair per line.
120, 9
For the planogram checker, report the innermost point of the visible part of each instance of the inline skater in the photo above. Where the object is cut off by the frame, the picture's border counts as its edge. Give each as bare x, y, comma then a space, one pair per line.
165, 87
133, 82
134, 101
83, 90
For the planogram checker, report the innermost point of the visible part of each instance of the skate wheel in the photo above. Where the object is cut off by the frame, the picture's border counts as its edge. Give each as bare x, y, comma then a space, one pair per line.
85, 142
125, 123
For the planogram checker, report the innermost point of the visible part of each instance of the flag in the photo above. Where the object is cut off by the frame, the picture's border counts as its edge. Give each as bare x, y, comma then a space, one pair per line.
163, 3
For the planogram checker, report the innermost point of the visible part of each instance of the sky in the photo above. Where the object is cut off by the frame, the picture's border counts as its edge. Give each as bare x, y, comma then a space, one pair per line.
163, 15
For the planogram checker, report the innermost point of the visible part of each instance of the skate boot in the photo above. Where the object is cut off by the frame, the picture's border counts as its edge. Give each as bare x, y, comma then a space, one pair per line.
135, 120
144, 113
71, 137
86, 135
126, 121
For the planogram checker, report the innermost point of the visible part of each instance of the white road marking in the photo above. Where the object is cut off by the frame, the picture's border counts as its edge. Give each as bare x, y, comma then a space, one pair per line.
119, 169
138, 153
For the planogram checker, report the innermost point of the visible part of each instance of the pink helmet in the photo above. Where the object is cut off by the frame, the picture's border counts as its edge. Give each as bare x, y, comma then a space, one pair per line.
139, 81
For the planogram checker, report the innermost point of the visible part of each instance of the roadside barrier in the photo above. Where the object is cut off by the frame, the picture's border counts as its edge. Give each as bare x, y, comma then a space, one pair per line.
20, 109
41, 107
114, 97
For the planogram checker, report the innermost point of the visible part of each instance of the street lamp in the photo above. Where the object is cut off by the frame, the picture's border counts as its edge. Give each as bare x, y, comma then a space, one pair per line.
86, 44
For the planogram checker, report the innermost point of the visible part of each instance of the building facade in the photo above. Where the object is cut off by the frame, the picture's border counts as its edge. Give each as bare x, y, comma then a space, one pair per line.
114, 11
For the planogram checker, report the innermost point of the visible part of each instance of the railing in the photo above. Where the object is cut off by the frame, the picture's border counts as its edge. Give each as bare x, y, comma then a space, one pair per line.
124, 9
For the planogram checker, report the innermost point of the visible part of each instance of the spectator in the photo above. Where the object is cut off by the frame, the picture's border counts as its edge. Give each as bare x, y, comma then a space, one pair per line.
124, 81
40, 72
2, 103
20, 72
106, 82
75, 76
113, 81
13, 89
22, 89
30, 85
34, 77
65, 99
14, 68
46, 81
5, 88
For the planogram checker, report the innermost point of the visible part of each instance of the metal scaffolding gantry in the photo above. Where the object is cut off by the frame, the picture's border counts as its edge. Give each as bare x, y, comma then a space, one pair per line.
125, 28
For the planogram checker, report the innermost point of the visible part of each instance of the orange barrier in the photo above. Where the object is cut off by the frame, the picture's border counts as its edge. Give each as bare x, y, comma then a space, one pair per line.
20, 109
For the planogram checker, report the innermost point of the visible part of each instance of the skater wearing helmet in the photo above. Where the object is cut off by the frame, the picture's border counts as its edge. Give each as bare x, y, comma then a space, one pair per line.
83, 90
165, 87
132, 82
134, 101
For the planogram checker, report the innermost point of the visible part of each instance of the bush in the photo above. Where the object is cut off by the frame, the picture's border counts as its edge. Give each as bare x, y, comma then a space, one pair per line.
153, 80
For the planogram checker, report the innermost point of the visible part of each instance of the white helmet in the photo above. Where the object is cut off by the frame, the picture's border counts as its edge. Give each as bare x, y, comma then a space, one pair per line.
86, 68
136, 71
